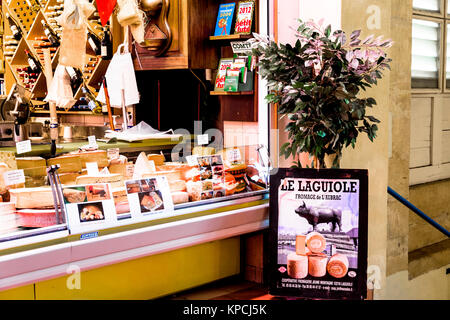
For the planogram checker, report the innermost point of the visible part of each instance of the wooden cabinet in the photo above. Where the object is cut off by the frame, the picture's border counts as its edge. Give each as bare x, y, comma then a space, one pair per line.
191, 23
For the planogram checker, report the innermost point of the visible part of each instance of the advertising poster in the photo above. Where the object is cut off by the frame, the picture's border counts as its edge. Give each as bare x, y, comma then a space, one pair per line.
89, 207
224, 19
244, 17
318, 237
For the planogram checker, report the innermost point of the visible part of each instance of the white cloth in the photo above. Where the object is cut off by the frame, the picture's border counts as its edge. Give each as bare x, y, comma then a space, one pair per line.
120, 76
60, 91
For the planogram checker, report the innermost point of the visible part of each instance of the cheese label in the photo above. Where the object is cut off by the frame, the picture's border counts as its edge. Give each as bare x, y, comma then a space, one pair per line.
129, 169
192, 160
234, 155
14, 177
92, 168
92, 141
202, 139
113, 153
23, 146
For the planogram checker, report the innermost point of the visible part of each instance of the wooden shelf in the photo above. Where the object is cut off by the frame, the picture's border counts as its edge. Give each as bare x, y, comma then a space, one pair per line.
225, 93
231, 37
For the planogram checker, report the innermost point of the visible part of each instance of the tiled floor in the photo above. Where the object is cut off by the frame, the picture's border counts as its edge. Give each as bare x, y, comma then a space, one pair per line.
230, 289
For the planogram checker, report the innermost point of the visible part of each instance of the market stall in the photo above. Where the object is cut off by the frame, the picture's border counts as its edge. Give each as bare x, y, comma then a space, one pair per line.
98, 177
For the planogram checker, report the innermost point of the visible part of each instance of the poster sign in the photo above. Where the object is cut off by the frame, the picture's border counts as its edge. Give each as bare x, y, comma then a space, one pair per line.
89, 207
224, 65
149, 196
318, 237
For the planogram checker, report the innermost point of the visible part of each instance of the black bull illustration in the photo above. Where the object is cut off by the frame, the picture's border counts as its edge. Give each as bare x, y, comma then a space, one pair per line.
316, 215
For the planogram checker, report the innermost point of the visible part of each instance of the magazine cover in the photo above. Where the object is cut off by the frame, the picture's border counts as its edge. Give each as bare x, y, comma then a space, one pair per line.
318, 233
224, 19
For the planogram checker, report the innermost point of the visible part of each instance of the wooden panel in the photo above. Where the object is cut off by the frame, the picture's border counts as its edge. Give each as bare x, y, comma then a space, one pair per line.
446, 114
420, 132
445, 146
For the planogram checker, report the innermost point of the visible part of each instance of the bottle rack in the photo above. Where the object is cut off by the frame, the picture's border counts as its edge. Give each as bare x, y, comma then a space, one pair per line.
29, 22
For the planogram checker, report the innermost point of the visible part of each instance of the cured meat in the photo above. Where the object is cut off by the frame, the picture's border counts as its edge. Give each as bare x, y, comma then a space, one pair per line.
316, 242
297, 266
338, 265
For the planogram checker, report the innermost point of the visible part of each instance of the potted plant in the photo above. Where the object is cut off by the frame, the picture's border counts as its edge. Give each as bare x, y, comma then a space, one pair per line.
316, 84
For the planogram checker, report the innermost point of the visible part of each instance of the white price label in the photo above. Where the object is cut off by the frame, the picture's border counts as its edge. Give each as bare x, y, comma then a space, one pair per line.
23, 146
130, 169
151, 164
202, 139
113, 153
14, 177
192, 160
234, 155
92, 168
92, 141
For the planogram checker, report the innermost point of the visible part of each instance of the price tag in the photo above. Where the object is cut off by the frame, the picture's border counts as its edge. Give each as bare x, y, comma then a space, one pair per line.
152, 165
92, 141
129, 169
113, 153
192, 160
234, 155
14, 177
202, 139
92, 168
23, 146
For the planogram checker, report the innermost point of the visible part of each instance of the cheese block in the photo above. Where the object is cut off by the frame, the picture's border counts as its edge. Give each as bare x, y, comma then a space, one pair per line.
36, 218
337, 267
171, 175
177, 185
180, 197
99, 156
316, 242
70, 178
33, 166
300, 242
9, 159
297, 266
67, 163
40, 197
115, 179
141, 167
157, 158
203, 151
317, 265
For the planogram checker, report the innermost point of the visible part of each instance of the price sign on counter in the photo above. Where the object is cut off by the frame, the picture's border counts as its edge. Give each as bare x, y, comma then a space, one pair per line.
92, 141
113, 153
14, 177
202, 139
234, 155
192, 160
92, 168
23, 146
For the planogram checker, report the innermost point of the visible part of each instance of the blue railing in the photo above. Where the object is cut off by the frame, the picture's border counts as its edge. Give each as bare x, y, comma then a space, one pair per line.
418, 211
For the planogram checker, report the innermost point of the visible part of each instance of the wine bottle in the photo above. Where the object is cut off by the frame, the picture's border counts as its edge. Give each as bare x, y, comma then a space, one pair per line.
94, 42
35, 65
52, 36
93, 104
107, 50
15, 29
76, 78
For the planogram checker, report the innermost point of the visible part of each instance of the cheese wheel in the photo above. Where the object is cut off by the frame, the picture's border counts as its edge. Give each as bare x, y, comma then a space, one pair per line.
180, 197
317, 265
177, 185
338, 265
297, 266
316, 242
300, 241
157, 158
36, 218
